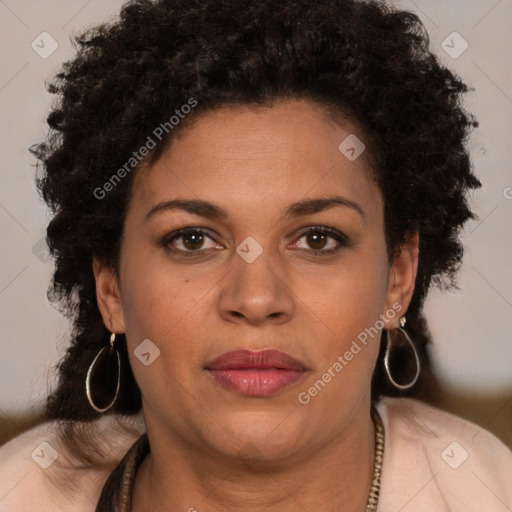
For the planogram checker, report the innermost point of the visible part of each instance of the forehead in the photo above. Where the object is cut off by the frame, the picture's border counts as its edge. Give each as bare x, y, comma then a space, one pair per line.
260, 158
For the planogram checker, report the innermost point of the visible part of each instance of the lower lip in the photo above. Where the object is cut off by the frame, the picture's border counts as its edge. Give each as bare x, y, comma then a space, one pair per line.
256, 382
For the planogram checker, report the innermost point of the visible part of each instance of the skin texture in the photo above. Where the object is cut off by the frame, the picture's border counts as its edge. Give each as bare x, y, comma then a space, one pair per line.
228, 451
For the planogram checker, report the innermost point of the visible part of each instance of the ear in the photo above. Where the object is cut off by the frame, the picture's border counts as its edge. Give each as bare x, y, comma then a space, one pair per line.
402, 277
108, 296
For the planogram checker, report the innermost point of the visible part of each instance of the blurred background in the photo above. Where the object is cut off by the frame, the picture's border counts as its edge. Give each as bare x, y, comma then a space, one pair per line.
471, 327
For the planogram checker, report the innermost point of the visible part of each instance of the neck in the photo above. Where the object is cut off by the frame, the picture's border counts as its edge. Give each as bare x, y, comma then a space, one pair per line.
337, 473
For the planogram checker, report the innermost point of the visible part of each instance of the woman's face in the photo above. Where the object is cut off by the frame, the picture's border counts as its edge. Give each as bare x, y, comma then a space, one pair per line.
256, 280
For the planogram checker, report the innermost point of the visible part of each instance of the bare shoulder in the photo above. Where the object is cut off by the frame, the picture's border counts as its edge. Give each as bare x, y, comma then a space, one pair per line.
39, 473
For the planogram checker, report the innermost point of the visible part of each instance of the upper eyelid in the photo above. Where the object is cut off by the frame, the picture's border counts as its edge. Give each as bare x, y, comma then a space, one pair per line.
331, 232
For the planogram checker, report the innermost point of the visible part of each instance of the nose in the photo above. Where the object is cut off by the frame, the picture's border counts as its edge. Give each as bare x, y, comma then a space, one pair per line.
256, 292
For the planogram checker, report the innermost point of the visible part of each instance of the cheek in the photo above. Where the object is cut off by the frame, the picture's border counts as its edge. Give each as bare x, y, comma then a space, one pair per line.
343, 313
347, 298
155, 294
168, 318
159, 305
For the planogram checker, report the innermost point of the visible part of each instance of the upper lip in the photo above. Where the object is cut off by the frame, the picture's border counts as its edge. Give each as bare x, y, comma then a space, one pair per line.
249, 359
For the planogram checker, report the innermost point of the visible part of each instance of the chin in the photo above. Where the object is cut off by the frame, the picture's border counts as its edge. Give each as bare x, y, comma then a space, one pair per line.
259, 436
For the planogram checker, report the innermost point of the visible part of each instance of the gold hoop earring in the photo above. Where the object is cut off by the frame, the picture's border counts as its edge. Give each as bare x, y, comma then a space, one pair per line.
104, 378
396, 338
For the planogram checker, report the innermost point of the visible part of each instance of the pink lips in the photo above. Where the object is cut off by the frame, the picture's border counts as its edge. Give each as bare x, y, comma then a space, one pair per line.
260, 373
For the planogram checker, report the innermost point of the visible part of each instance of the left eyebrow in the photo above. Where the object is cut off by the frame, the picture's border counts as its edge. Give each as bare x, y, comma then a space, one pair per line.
310, 206
212, 211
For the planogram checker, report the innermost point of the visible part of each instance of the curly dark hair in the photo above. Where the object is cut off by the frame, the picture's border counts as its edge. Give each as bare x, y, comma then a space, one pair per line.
362, 58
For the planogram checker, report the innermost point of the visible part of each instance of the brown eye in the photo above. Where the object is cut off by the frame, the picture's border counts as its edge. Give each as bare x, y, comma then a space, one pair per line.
193, 240
188, 242
317, 239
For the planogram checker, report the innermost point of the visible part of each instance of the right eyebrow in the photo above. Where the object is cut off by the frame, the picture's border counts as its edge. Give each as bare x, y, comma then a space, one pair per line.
193, 206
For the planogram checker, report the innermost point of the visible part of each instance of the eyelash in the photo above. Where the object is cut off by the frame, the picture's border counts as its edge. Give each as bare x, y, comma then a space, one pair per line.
342, 239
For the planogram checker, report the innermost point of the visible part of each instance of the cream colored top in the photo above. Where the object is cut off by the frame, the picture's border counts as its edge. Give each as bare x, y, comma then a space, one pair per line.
433, 462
